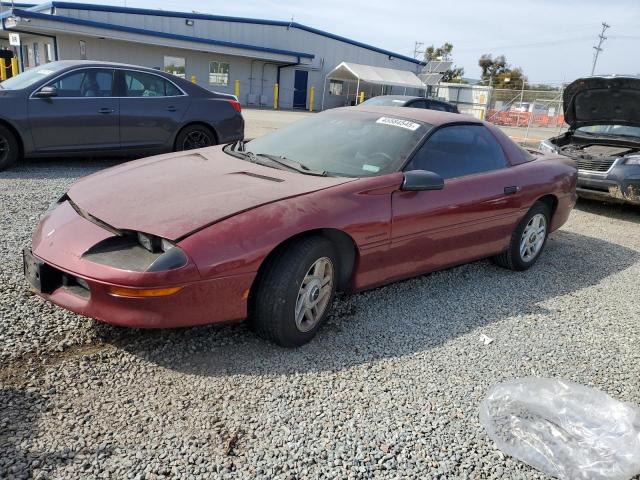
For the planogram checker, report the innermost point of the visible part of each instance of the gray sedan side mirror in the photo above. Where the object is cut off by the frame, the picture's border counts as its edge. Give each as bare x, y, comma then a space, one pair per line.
418, 180
47, 92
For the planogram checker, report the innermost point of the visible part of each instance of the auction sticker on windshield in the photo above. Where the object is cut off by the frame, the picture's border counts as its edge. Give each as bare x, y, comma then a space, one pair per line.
396, 122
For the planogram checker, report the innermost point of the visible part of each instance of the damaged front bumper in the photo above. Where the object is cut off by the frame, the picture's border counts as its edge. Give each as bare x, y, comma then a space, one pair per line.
621, 184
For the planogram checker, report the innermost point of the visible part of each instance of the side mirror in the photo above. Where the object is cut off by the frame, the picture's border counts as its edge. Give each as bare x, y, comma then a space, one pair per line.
47, 92
418, 180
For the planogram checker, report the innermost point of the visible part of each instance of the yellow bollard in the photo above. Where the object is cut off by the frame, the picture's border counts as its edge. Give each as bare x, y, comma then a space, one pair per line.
3, 69
275, 96
361, 97
238, 89
194, 79
14, 67
312, 95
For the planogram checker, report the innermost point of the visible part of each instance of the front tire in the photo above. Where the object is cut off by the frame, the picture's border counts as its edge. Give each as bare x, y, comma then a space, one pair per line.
194, 136
294, 292
528, 239
9, 149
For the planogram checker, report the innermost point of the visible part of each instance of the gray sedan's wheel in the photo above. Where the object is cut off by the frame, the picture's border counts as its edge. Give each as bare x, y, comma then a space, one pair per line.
527, 240
9, 149
195, 136
294, 291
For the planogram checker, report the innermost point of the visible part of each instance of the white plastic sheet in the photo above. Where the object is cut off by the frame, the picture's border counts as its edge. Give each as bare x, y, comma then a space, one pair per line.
564, 429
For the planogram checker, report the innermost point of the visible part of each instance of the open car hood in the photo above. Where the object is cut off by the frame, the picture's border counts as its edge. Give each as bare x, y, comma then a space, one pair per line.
602, 101
174, 195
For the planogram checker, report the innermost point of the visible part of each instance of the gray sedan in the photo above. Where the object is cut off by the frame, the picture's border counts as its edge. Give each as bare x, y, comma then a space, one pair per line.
95, 108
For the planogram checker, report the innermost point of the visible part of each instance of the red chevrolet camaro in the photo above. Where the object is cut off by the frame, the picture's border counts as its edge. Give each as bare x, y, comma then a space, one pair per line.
268, 230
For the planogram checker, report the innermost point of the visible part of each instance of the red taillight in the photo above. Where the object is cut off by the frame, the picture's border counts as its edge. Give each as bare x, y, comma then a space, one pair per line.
236, 105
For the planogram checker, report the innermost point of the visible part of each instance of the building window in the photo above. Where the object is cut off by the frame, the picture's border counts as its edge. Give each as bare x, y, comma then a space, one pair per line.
176, 66
335, 87
386, 89
48, 52
219, 73
25, 56
36, 54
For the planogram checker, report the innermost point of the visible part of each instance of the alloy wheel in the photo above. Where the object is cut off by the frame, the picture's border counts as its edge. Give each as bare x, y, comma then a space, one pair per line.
533, 237
314, 294
196, 139
4, 149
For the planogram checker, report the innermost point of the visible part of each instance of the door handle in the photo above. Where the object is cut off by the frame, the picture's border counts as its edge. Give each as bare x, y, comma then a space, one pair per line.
511, 190
106, 110
172, 108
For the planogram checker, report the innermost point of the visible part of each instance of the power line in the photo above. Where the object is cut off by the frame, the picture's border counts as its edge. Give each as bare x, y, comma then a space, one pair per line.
598, 49
525, 45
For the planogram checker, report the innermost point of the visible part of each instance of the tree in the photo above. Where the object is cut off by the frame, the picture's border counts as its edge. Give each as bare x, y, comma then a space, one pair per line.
498, 73
444, 53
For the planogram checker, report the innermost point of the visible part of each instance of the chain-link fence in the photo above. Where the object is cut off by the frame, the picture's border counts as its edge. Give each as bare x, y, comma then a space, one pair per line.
528, 116
513, 108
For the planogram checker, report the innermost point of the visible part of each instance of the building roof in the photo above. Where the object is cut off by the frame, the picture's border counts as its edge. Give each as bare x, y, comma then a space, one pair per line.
141, 31
160, 13
375, 75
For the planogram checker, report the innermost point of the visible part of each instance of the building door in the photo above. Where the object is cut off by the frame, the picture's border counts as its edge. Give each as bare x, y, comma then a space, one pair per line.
300, 89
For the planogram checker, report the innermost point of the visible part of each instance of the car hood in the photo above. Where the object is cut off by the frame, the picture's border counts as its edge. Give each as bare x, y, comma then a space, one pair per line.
174, 195
602, 101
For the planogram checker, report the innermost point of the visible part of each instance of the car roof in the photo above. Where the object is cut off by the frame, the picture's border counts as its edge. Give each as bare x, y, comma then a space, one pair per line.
97, 63
433, 117
399, 97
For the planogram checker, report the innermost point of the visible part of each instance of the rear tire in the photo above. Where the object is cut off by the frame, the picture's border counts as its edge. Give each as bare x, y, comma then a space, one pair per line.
194, 136
294, 292
9, 149
528, 239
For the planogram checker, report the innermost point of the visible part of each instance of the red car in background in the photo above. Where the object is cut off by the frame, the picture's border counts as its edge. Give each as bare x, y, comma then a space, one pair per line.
346, 200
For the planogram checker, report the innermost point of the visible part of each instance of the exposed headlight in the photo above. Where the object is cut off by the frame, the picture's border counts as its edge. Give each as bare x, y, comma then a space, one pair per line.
547, 147
632, 160
154, 244
138, 252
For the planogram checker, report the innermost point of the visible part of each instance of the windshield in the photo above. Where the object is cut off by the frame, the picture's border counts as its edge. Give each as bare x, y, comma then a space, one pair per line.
625, 130
31, 76
384, 102
348, 142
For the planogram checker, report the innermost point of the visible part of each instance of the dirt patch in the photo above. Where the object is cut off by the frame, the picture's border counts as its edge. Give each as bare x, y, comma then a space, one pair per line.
17, 372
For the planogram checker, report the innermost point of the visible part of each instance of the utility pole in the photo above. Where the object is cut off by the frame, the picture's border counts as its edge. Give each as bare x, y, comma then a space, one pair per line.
416, 49
598, 49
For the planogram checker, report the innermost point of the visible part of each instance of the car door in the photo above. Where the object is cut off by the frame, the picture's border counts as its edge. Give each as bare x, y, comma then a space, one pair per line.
474, 214
83, 116
151, 110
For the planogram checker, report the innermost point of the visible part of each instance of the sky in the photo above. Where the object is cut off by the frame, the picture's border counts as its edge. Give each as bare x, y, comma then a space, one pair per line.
552, 40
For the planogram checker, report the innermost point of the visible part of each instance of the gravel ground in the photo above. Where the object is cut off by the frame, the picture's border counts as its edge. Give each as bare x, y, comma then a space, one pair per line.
389, 389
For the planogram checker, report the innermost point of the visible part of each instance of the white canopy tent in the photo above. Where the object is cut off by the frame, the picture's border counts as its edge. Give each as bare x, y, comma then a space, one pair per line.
372, 75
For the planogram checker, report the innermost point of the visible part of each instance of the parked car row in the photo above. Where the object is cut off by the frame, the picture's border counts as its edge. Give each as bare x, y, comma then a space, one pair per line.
269, 230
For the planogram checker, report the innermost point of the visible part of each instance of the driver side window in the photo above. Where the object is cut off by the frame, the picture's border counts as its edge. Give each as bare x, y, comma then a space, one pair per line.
94, 82
459, 150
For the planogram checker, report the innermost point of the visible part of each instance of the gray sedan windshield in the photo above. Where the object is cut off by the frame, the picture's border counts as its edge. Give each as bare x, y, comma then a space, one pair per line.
30, 77
347, 143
